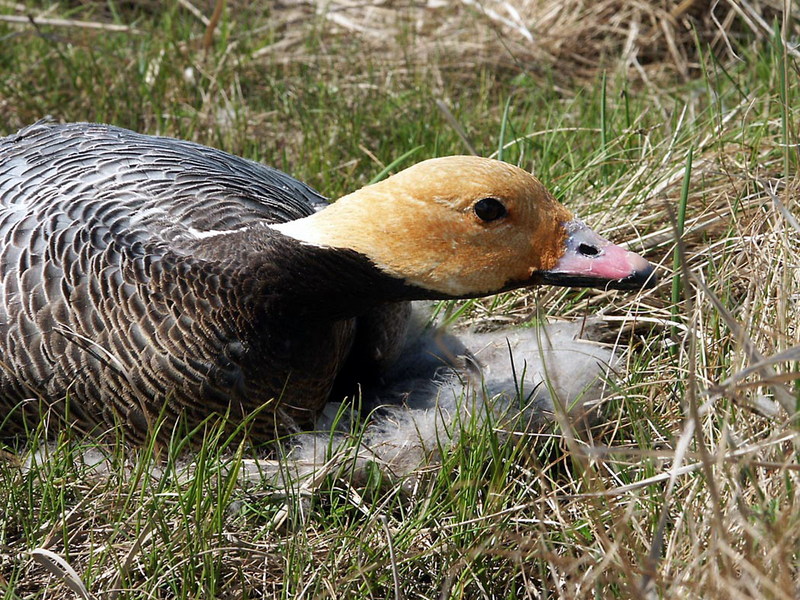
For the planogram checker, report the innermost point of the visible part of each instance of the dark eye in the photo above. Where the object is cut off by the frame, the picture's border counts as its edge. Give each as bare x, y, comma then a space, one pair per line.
489, 209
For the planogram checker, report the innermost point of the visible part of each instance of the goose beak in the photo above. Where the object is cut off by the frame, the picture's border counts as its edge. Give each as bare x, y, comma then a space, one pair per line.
592, 261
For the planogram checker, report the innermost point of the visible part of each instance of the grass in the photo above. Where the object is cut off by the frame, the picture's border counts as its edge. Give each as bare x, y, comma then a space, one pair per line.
690, 487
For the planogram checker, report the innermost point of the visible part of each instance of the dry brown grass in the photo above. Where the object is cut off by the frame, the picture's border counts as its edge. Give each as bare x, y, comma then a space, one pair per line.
573, 38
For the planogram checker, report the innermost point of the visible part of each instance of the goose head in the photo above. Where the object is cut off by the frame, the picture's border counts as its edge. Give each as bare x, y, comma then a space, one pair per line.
464, 226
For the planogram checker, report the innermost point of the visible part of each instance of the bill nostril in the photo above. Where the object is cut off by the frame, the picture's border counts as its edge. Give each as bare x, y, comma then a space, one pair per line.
588, 250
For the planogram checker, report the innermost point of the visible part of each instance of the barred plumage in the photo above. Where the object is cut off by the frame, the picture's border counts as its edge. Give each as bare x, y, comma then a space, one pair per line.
148, 278
114, 297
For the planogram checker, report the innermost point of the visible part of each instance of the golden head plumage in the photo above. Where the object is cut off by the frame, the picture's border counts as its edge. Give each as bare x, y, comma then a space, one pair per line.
459, 226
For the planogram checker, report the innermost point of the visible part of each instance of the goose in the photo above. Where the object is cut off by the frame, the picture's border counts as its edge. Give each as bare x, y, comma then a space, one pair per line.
150, 283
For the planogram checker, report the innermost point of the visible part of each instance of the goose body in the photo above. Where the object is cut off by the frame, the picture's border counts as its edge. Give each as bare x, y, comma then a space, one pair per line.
146, 277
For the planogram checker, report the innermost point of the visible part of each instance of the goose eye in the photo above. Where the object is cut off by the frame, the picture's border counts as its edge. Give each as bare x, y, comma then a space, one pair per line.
489, 209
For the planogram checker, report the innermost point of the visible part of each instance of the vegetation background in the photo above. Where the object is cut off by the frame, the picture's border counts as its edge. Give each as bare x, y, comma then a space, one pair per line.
648, 118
